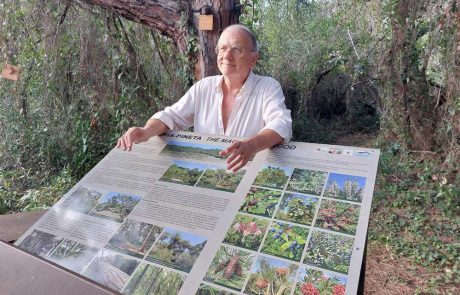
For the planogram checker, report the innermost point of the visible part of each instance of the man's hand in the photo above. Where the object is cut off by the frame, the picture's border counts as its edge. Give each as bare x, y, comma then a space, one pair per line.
242, 151
152, 128
133, 135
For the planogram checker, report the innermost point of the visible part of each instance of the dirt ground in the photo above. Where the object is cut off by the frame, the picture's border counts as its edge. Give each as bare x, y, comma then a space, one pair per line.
388, 275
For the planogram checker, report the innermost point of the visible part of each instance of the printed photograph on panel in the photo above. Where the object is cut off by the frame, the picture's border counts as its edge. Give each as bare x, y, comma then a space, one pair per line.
338, 216
151, 279
297, 208
72, 255
134, 238
230, 268
271, 277
115, 206
110, 269
273, 176
307, 181
261, 202
285, 240
219, 178
178, 250
246, 232
329, 251
318, 282
209, 290
40, 243
82, 200
186, 173
345, 187
190, 150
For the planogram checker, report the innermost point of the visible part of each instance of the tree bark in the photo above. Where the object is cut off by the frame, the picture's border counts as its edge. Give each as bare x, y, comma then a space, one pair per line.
176, 19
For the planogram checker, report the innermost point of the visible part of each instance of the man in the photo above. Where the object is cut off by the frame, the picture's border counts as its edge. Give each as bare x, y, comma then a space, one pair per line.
238, 103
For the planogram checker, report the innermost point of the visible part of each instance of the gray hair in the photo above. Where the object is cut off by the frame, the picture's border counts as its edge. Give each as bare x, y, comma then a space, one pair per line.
252, 36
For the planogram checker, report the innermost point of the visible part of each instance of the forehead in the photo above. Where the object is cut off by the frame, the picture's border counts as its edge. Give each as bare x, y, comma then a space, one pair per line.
234, 36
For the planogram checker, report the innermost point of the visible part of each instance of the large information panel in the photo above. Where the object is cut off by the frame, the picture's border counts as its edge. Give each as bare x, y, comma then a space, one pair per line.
168, 218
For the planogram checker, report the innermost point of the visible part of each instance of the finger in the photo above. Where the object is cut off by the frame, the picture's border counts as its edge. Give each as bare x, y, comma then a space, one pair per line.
122, 143
234, 162
231, 148
239, 166
118, 145
233, 156
129, 142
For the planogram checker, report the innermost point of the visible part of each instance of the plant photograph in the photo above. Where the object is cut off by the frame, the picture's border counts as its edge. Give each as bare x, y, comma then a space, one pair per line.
134, 238
345, 187
175, 249
297, 208
338, 216
209, 290
273, 176
110, 269
190, 150
115, 206
230, 267
221, 179
72, 255
307, 181
318, 282
285, 240
151, 279
329, 251
183, 173
82, 200
40, 243
271, 277
246, 232
260, 201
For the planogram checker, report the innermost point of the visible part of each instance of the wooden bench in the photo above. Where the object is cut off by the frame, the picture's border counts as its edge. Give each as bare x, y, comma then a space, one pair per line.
12, 226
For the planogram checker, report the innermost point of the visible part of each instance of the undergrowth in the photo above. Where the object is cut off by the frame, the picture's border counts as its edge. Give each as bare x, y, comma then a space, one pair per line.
416, 214
43, 194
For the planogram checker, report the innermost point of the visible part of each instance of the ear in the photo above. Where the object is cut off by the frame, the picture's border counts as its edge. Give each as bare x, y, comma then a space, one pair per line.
254, 58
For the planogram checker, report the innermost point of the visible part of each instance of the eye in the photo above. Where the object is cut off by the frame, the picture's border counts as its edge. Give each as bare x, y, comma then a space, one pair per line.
236, 50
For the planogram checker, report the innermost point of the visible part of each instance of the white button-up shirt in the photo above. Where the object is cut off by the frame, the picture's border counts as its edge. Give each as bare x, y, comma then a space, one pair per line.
259, 105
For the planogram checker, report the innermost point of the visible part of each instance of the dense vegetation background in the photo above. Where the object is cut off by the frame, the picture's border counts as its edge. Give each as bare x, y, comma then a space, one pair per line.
384, 74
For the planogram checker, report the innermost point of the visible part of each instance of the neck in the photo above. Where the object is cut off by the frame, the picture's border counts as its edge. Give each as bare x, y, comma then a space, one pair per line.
234, 84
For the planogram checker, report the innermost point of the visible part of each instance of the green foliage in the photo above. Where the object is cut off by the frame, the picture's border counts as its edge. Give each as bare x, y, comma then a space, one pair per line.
329, 251
84, 81
182, 175
285, 240
415, 213
260, 202
307, 181
221, 179
13, 198
297, 208
272, 176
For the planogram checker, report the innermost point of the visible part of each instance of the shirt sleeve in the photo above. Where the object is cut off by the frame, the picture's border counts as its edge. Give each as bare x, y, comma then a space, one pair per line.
179, 116
276, 116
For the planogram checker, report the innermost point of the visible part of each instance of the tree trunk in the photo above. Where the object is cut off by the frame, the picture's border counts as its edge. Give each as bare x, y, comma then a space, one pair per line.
176, 19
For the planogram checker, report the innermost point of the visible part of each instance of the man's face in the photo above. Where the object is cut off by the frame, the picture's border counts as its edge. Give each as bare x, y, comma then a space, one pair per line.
235, 56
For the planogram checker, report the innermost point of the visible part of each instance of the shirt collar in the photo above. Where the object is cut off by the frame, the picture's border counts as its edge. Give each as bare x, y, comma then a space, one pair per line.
248, 84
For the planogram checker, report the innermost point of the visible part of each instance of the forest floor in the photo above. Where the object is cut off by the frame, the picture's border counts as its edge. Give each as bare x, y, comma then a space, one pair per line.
386, 272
